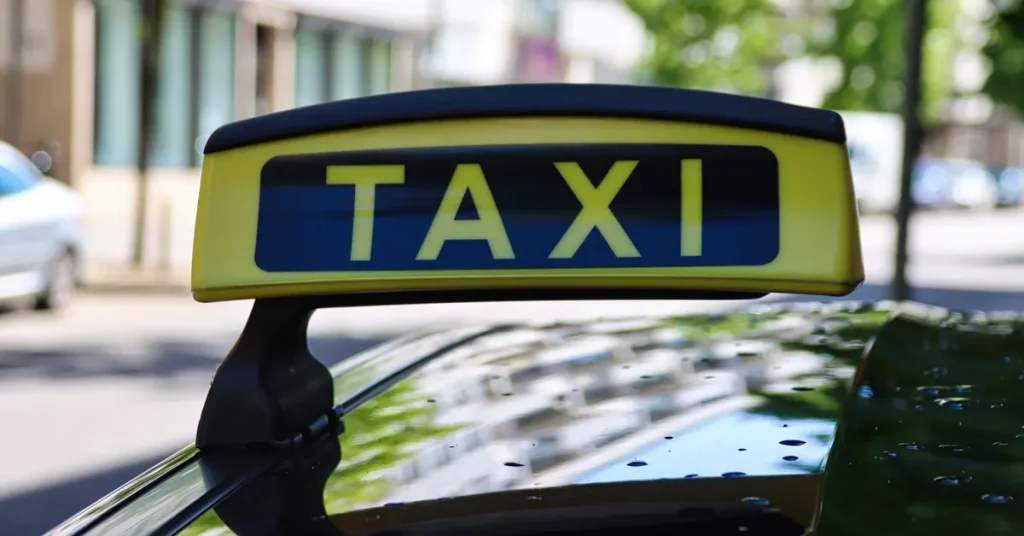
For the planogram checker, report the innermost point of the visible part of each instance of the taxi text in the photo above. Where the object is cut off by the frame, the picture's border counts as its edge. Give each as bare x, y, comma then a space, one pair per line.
469, 180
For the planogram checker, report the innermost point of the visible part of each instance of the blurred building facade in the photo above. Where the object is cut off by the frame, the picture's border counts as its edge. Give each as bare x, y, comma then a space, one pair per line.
72, 89
70, 79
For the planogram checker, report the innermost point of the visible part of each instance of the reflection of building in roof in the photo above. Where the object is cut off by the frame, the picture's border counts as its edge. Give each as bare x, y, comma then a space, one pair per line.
788, 325
639, 333
532, 401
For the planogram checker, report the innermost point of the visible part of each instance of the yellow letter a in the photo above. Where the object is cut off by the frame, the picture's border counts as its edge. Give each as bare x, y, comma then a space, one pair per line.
467, 178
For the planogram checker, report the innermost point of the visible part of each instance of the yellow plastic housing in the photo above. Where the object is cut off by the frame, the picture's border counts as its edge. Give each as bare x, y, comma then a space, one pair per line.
819, 244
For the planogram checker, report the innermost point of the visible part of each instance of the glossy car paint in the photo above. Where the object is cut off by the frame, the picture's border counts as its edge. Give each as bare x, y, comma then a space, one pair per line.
760, 404
129, 492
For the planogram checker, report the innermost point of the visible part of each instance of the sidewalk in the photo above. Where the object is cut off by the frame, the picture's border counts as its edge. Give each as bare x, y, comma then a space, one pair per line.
122, 277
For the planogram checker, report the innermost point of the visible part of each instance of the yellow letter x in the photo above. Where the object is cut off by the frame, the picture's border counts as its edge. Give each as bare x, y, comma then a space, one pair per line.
595, 211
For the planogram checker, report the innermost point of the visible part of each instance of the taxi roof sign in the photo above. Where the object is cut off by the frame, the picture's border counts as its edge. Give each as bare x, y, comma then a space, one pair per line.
528, 190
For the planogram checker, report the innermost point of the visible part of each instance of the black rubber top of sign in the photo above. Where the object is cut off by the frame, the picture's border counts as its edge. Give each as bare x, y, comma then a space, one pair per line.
517, 100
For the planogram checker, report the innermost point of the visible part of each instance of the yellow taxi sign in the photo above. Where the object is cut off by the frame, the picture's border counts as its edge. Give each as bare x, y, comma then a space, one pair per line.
528, 188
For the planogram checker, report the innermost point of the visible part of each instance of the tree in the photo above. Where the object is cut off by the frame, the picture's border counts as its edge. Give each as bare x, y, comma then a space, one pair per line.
733, 44
712, 44
867, 38
1005, 52
150, 30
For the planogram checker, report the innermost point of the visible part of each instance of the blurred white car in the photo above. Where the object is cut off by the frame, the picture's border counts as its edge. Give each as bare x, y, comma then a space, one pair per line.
941, 184
40, 235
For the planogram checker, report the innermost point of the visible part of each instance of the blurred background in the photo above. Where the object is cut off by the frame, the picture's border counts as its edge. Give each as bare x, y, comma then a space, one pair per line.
105, 106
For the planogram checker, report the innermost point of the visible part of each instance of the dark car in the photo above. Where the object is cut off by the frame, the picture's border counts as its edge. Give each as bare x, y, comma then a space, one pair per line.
839, 418
1011, 186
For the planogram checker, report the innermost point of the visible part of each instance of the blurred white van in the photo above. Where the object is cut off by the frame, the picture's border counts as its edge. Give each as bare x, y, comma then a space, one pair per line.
875, 142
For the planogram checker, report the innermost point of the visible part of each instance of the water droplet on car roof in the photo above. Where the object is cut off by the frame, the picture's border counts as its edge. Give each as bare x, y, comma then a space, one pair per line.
755, 501
734, 474
910, 446
954, 403
992, 498
636, 463
790, 458
951, 480
513, 464
792, 442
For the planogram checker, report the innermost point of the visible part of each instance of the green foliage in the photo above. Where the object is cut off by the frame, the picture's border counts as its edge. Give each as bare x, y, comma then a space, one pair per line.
865, 38
822, 404
708, 327
381, 433
1005, 52
868, 38
711, 44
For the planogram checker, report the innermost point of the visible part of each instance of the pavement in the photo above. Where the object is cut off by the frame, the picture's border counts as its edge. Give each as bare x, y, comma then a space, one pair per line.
109, 277
945, 247
91, 397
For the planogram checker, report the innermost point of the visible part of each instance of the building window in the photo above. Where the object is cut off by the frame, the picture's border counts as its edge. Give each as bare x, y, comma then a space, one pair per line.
378, 67
311, 66
216, 76
347, 80
335, 64
195, 83
172, 142
118, 57
539, 18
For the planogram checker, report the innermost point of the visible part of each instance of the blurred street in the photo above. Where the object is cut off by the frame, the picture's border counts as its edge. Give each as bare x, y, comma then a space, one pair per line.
143, 361
951, 250
106, 107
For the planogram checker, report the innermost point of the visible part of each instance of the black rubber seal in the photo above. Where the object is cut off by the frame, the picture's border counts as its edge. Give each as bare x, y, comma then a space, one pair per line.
519, 100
